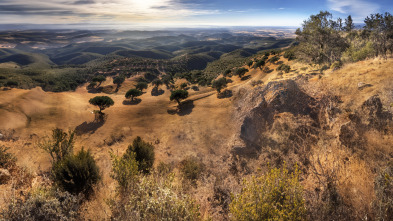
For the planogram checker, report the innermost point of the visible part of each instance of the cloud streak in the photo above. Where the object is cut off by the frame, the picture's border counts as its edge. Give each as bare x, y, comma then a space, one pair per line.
96, 10
357, 8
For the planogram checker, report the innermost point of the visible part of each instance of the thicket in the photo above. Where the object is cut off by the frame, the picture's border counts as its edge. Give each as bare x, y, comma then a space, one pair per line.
277, 195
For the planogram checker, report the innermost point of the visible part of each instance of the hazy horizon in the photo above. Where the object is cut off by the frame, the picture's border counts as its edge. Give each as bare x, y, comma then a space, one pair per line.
156, 14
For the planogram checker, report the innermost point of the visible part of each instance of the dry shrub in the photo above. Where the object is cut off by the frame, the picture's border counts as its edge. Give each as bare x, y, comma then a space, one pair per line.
339, 186
45, 205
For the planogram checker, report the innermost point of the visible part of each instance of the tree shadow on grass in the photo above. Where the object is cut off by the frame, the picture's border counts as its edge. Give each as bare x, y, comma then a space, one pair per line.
157, 92
225, 94
132, 102
90, 128
185, 108
94, 90
245, 77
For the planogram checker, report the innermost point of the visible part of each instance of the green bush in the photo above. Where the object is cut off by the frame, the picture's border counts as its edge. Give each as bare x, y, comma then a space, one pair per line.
77, 173
144, 154
274, 59
358, 53
290, 55
277, 195
284, 67
6, 159
125, 170
260, 64
192, 169
241, 72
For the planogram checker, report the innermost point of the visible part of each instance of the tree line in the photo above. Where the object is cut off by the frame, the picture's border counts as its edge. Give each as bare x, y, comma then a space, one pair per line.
322, 40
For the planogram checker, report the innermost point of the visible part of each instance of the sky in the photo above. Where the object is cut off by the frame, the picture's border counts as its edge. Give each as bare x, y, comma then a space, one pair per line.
183, 13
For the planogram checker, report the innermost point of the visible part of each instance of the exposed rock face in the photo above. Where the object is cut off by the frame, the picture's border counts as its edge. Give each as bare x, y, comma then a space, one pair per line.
4, 175
369, 116
277, 115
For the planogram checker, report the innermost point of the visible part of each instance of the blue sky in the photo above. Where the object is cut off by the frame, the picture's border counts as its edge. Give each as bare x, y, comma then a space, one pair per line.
183, 13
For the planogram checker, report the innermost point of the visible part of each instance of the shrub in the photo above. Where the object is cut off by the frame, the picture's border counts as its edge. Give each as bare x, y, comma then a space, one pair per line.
76, 173
266, 69
250, 63
274, 59
227, 72
44, 205
336, 65
144, 154
256, 83
290, 55
11, 83
60, 145
192, 169
124, 170
241, 72
284, 67
275, 196
260, 64
357, 53
384, 194
6, 159
183, 86
155, 198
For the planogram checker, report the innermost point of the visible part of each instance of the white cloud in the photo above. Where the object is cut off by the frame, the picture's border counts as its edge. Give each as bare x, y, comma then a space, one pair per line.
61, 11
357, 8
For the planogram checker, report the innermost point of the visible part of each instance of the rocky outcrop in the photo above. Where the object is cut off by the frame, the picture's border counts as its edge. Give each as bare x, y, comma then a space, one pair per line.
370, 116
277, 115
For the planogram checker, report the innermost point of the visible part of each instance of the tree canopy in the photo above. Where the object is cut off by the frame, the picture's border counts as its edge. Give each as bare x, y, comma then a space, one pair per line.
320, 40
132, 93
219, 84
102, 102
178, 95
141, 86
99, 79
241, 72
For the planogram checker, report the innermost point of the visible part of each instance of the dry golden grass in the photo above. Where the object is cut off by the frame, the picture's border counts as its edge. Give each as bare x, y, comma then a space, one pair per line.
204, 129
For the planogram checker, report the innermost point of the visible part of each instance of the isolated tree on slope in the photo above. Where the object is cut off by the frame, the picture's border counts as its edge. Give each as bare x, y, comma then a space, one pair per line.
132, 93
118, 81
102, 102
179, 95
219, 84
